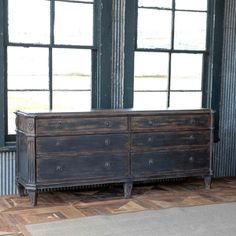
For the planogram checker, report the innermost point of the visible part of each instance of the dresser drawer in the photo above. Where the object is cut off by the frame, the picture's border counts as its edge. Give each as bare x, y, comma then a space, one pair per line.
81, 144
82, 167
143, 141
170, 122
155, 163
80, 125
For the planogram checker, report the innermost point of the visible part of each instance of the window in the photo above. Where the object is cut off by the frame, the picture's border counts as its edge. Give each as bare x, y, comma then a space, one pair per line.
49, 56
170, 54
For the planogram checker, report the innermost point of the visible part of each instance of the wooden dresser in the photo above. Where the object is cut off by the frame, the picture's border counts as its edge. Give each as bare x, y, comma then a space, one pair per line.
111, 146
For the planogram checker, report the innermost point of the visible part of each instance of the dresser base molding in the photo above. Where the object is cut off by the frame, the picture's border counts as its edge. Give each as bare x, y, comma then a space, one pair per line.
127, 186
59, 150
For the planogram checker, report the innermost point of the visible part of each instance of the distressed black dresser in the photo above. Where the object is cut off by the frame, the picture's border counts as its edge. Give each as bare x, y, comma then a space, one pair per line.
111, 146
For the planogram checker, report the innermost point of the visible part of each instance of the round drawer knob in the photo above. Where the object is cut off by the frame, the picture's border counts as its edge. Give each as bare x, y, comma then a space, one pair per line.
58, 168
150, 161
150, 139
191, 137
59, 124
193, 121
107, 142
107, 164
108, 124
58, 143
191, 159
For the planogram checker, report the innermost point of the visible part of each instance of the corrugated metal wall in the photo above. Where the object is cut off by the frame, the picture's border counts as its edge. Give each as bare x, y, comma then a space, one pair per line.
225, 151
7, 173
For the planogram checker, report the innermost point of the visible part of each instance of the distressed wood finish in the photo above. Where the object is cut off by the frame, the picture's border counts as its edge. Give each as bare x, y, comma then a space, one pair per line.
156, 163
168, 140
167, 122
111, 146
93, 166
82, 144
81, 125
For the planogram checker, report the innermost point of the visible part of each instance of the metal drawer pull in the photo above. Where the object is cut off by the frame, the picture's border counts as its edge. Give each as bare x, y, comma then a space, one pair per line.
150, 122
191, 137
194, 122
107, 164
191, 159
150, 162
150, 139
58, 143
59, 124
107, 142
107, 123
58, 168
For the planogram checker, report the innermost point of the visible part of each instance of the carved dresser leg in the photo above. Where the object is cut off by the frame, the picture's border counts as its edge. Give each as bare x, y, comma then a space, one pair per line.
33, 196
20, 189
207, 181
128, 189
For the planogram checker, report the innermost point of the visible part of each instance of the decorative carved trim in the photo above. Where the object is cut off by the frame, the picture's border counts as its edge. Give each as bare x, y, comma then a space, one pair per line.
30, 125
26, 125
31, 159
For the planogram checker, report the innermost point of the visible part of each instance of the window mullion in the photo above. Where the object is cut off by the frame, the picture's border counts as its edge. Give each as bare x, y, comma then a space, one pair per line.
52, 21
170, 53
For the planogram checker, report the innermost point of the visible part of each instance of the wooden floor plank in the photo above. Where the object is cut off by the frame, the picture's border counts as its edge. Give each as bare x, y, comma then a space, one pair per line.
16, 212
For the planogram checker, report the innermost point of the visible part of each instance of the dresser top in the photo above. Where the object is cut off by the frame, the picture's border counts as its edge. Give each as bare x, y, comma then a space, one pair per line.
110, 112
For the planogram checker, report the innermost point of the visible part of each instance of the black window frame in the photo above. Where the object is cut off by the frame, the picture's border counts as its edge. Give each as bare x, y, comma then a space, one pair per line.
171, 51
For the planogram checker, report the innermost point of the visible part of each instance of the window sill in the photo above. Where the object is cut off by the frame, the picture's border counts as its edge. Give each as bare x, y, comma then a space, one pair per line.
11, 146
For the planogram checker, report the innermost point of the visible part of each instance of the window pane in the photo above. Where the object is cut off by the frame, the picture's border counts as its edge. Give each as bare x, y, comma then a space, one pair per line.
150, 100
191, 4
185, 100
71, 101
31, 25
27, 68
151, 71
186, 72
28, 101
71, 69
154, 28
190, 30
155, 3
73, 23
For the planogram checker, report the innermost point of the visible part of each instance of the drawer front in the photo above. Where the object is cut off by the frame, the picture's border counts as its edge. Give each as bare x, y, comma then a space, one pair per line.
170, 122
83, 167
155, 163
143, 141
80, 125
81, 144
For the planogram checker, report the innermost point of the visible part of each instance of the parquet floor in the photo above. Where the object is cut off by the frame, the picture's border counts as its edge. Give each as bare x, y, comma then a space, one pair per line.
16, 212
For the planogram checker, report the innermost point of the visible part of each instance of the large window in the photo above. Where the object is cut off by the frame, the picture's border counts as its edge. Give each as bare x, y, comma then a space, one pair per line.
170, 53
49, 56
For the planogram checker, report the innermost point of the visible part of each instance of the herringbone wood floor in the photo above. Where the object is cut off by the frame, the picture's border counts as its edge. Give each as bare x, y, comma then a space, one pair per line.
16, 212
